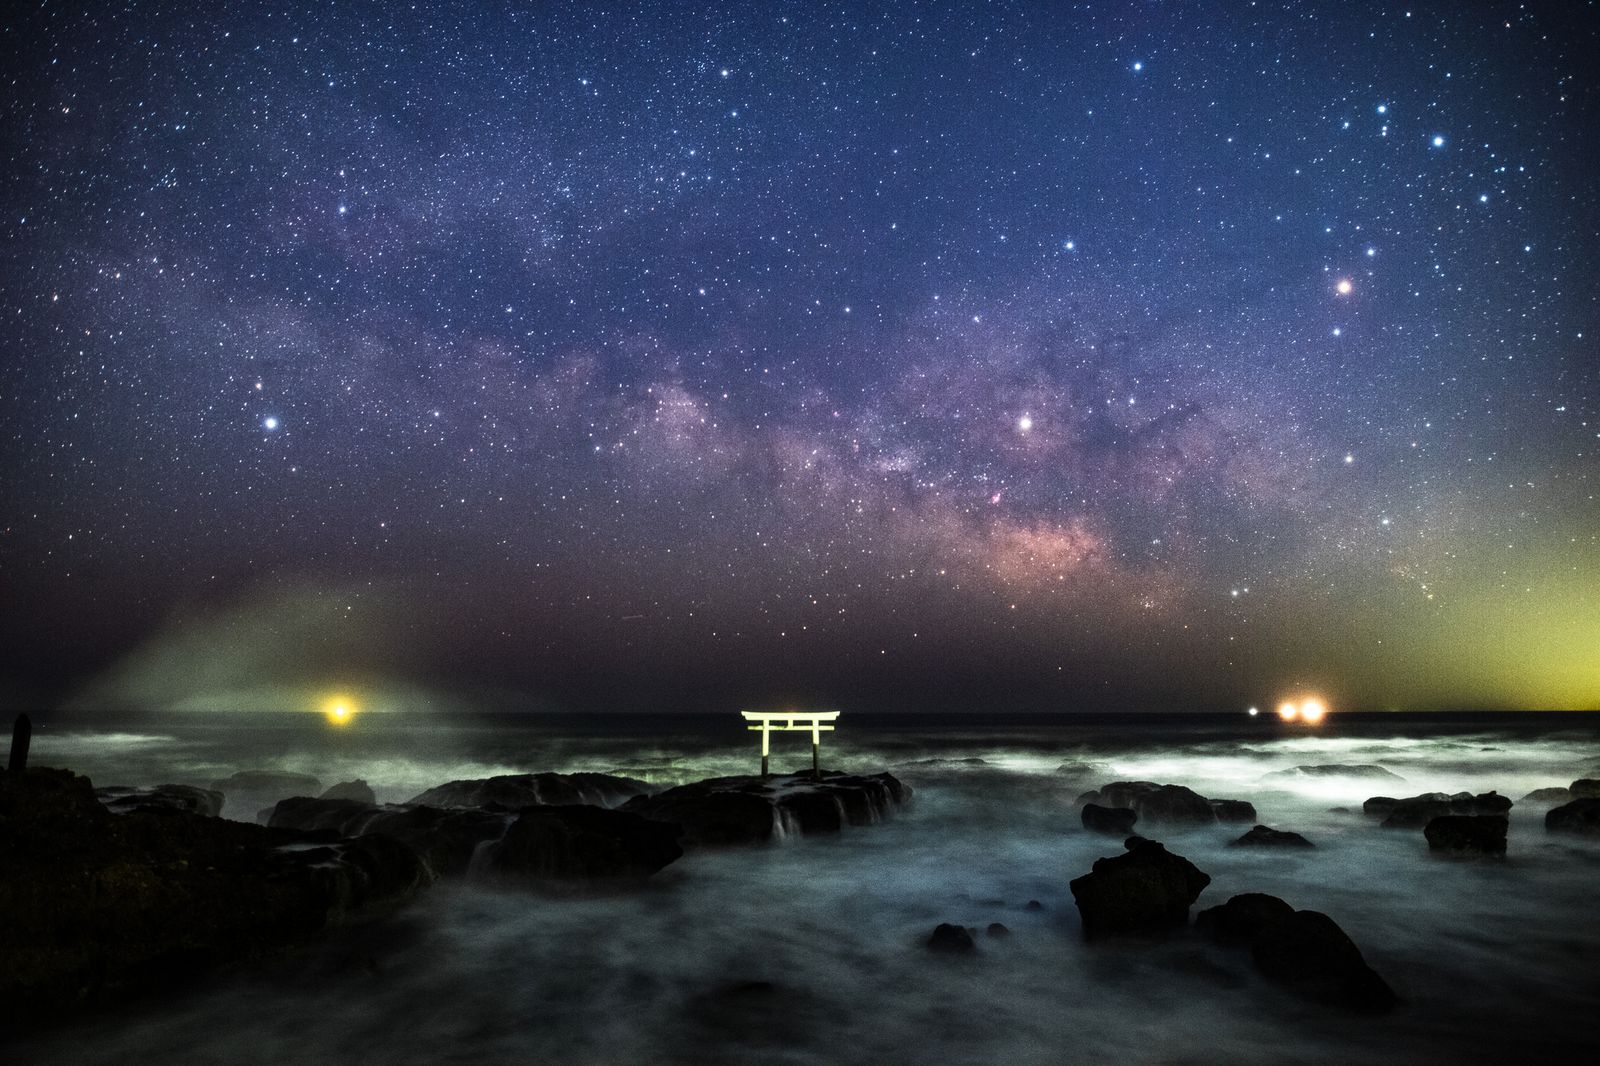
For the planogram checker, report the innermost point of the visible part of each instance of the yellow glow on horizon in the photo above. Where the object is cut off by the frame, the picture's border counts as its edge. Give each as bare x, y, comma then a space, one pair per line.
340, 710
1312, 711
1288, 711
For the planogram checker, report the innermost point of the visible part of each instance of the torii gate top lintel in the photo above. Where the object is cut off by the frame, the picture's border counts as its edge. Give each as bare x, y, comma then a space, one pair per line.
814, 722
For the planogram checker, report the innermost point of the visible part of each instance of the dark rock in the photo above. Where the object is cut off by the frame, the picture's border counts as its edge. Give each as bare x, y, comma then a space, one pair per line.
1547, 797
98, 904
1146, 890
186, 798
1241, 918
1468, 834
1579, 816
21, 738
1417, 811
1175, 805
525, 790
1263, 837
448, 840
1233, 810
1585, 788
1365, 771
585, 844
1118, 793
1308, 952
752, 810
357, 790
1115, 820
951, 940
996, 929
281, 781
1033, 905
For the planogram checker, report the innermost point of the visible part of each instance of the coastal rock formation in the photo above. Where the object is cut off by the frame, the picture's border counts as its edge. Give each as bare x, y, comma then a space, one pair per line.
97, 903
537, 845
1466, 834
1146, 890
1547, 797
1356, 771
249, 794
525, 790
357, 790
1579, 816
1168, 804
753, 810
1303, 950
1585, 788
577, 843
1115, 820
1264, 837
1233, 810
186, 798
1416, 811
949, 939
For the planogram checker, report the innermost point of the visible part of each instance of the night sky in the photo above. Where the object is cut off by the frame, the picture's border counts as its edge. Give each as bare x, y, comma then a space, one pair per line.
956, 356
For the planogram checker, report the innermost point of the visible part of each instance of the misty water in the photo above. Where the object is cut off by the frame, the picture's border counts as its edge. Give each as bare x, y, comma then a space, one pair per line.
812, 950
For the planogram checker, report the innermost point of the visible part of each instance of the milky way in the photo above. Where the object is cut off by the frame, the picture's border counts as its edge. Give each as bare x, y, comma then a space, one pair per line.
678, 355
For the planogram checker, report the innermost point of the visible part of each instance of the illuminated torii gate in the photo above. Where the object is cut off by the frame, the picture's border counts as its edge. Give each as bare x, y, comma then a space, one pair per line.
765, 722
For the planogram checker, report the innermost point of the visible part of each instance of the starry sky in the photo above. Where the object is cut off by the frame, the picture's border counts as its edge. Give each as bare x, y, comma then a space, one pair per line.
902, 355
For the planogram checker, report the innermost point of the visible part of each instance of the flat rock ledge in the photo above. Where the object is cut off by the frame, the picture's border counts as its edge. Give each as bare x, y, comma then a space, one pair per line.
754, 810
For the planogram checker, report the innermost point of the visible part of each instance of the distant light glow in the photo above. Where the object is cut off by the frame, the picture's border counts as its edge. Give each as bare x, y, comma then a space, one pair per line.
1288, 711
1254, 711
340, 710
1312, 711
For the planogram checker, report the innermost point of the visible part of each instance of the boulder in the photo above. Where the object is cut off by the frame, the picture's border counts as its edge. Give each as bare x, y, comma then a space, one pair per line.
1175, 805
1585, 788
357, 790
1547, 797
583, 844
998, 929
1264, 837
949, 939
525, 790
1115, 820
1146, 890
1308, 952
1467, 834
1241, 918
185, 798
1233, 810
1416, 811
1354, 771
753, 810
1579, 816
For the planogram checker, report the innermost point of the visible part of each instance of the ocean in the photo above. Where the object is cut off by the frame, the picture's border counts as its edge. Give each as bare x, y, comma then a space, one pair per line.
812, 950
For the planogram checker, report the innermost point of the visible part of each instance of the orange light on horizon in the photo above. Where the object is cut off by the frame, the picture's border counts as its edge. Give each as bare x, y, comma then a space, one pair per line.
1312, 711
1288, 711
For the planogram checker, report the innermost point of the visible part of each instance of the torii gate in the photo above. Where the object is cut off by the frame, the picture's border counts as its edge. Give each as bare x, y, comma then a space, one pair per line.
765, 722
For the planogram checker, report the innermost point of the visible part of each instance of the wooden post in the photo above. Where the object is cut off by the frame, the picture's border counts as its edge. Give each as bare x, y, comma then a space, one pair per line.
21, 735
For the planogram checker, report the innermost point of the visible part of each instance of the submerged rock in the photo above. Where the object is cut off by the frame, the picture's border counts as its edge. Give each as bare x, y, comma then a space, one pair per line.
951, 939
998, 929
1416, 811
753, 810
525, 790
1118, 821
185, 798
1265, 837
357, 790
1468, 834
1146, 890
1233, 810
1362, 771
97, 904
1579, 816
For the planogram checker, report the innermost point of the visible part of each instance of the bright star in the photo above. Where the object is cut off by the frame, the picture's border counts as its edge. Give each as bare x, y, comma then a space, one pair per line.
1138, 65
1024, 423
269, 423
1344, 287
1438, 140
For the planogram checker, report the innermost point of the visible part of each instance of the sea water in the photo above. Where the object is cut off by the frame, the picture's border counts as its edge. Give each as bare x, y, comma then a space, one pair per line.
812, 950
